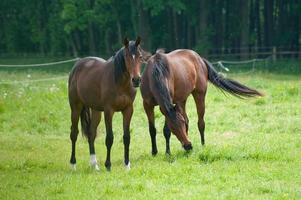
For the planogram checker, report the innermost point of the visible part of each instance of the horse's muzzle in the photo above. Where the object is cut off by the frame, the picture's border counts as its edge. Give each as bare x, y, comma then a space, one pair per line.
136, 81
187, 147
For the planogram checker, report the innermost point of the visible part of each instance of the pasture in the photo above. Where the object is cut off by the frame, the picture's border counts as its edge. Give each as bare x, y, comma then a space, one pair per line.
253, 147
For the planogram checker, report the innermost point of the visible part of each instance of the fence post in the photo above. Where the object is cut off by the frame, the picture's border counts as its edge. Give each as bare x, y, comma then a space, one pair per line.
274, 54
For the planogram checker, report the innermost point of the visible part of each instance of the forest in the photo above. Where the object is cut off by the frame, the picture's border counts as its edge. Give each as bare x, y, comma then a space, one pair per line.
97, 27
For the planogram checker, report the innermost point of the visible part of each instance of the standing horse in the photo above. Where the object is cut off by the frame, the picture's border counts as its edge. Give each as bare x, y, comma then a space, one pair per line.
96, 85
169, 79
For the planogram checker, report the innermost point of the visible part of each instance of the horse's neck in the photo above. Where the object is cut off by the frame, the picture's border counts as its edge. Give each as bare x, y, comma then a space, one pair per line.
124, 82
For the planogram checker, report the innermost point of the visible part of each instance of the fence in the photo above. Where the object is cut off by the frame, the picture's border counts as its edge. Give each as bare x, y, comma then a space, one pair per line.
219, 64
220, 57
254, 52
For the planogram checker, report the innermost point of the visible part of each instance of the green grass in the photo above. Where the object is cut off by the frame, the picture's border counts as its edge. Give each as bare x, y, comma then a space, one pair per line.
253, 147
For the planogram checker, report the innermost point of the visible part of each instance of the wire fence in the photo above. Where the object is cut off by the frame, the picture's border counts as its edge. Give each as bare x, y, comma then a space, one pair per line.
223, 66
41, 64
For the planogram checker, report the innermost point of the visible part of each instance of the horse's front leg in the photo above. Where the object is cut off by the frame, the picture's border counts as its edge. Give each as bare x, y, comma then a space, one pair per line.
127, 115
109, 136
167, 134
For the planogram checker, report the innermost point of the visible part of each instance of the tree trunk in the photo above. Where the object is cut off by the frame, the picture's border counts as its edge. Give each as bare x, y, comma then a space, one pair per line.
175, 29
183, 28
92, 48
201, 33
107, 42
119, 32
77, 40
257, 23
73, 46
170, 28
268, 22
189, 36
144, 28
134, 16
244, 34
219, 26
299, 37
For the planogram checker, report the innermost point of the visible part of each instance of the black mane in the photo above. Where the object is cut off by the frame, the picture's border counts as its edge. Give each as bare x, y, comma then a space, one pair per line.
119, 65
120, 69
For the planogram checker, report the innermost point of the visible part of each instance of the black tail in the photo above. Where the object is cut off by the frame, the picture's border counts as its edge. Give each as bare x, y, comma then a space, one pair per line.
231, 86
85, 119
160, 75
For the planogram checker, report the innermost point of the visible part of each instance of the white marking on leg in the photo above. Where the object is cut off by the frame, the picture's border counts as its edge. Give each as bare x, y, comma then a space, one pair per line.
93, 159
93, 162
128, 166
73, 167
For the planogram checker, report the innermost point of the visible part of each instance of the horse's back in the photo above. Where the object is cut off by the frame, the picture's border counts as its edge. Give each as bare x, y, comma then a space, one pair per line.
84, 79
183, 67
190, 70
85, 64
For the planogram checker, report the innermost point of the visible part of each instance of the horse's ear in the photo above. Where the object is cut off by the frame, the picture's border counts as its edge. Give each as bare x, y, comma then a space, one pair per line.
138, 40
126, 42
146, 56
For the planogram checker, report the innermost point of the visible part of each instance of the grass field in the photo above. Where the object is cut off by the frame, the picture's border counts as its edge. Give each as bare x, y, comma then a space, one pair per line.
253, 147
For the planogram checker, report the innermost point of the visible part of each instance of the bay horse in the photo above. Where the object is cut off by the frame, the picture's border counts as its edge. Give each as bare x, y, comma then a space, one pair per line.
169, 79
95, 86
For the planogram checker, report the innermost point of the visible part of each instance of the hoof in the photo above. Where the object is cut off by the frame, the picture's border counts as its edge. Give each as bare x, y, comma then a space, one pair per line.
127, 167
154, 152
187, 147
73, 166
108, 166
95, 166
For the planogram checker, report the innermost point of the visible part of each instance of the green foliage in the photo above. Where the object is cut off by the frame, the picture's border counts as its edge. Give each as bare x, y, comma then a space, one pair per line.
76, 15
158, 6
96, 27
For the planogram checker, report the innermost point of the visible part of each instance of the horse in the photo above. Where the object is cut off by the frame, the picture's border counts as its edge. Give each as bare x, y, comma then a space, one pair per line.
169, 79
96, 85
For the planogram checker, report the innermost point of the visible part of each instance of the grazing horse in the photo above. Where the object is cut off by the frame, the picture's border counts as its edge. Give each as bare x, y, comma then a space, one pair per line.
97, 85
169, 79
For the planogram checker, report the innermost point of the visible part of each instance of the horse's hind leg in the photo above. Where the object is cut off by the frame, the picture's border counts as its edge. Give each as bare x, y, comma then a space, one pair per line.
75, 112
95, 119
199, 98
151, 125
167, 134
127, 116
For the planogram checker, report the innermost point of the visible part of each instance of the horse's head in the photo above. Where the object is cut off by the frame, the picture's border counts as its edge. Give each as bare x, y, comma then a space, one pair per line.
134, 56
177, 124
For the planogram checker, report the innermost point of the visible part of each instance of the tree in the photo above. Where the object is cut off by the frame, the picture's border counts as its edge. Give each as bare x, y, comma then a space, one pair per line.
97, 27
